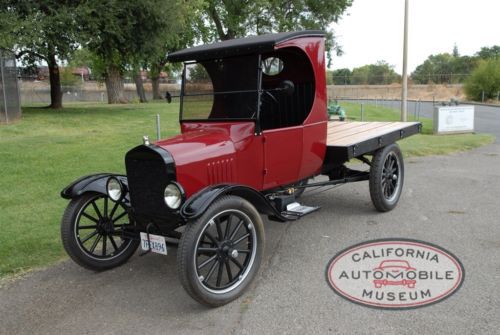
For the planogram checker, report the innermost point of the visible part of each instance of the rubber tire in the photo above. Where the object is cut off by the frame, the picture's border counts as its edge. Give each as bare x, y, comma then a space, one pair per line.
186, 251
376, 193
70, 243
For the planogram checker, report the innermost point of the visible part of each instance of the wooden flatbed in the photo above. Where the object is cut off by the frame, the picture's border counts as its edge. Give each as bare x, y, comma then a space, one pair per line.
346, 140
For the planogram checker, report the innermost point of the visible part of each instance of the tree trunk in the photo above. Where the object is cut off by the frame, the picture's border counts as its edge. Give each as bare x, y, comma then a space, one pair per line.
155, 81
139, 86
55, 82
114, 85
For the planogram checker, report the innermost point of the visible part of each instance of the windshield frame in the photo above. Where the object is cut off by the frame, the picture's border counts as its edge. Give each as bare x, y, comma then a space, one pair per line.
257, 90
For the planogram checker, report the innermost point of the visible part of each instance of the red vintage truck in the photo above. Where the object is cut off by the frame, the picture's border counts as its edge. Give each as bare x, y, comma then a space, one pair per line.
254, 130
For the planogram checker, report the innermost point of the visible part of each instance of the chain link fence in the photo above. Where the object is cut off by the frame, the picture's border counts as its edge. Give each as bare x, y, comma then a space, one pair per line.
35, 91
10, 108
38, 91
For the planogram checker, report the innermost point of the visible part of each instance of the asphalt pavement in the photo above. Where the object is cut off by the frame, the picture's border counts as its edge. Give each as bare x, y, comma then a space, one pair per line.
452, 201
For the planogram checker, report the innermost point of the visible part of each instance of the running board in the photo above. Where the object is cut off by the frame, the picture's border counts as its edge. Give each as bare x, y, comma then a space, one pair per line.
296, 210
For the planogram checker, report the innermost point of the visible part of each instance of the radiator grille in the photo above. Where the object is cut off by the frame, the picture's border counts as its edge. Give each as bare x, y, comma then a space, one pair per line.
148, 174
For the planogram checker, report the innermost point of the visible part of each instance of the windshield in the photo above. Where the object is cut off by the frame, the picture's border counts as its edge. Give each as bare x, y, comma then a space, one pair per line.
222, 89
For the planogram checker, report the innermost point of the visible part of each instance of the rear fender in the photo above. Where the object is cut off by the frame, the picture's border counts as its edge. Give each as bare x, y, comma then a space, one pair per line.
197, 204
92, 183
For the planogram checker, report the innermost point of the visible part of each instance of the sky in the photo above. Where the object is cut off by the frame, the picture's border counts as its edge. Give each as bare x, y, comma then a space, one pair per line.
372, 30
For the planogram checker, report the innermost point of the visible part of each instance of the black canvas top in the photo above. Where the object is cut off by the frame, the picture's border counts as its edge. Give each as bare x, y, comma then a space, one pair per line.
239, 46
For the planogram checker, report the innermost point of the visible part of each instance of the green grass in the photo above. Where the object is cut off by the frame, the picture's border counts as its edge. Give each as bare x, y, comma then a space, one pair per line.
47, 149
423, 144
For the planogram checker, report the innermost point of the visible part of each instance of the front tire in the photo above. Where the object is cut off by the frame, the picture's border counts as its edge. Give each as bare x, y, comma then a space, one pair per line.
220, 253
386, 177
91, 232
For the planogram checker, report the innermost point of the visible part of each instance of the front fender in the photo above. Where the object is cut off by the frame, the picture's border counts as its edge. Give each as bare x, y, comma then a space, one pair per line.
92, 183
197, 204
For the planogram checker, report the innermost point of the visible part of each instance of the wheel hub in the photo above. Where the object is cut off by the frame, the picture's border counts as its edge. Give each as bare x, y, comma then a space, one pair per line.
105, 226
226, 250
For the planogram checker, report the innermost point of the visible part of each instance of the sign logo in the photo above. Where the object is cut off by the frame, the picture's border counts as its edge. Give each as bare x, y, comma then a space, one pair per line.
395, 273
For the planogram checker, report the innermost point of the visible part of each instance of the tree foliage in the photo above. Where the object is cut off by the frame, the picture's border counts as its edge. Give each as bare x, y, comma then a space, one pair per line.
40, 31
126, 35
444, 68
227, 19
341, 76
485, 78
374, 74
489, 52
452, 68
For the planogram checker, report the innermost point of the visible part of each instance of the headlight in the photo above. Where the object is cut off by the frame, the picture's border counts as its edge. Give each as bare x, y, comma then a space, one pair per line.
114, 188
173, 196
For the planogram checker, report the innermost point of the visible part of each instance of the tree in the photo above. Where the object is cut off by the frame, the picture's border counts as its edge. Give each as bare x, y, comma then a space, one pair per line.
181, 34
123, 34
485, 78
444, 68
43, 31
341, 76
10, 24
227, 19
487, 53
375, 74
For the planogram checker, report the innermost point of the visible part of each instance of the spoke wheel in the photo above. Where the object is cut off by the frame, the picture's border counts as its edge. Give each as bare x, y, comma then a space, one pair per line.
220, 253
91, 231
386, 177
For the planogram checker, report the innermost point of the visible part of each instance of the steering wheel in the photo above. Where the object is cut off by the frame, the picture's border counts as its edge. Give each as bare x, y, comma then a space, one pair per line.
270, 95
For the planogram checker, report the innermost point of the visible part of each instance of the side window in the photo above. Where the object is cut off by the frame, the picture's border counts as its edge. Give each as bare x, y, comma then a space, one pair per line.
272, 66
279, 109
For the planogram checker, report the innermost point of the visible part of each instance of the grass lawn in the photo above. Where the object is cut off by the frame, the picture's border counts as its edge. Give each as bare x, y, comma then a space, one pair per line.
46, 150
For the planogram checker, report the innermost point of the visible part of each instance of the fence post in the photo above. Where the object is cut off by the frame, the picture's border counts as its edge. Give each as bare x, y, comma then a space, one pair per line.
415, 110
482, 96
3, 90
419, 106
158, 136
498, 95
361, 112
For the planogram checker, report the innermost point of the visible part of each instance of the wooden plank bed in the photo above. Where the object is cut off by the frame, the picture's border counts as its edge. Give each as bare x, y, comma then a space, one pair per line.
346, 140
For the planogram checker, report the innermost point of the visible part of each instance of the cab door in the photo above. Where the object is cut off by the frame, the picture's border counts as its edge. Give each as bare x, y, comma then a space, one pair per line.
282, 155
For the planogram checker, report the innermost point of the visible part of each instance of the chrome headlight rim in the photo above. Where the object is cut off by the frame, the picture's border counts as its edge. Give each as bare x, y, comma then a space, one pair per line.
118, 192
176, 190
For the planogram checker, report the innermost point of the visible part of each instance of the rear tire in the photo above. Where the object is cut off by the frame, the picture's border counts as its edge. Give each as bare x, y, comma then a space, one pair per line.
220, 253
386, 177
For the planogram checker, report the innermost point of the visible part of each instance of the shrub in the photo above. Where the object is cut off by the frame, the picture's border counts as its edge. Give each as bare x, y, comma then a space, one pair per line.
68, 78
485, 78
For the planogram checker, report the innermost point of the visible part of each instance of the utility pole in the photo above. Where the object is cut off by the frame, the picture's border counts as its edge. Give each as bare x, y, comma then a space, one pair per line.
404, 93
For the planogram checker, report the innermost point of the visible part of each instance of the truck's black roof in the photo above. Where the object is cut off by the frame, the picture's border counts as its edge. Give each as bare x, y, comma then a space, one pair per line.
239, 46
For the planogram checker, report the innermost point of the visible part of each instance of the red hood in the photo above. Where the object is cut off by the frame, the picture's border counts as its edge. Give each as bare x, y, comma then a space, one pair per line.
196, 145
205, 153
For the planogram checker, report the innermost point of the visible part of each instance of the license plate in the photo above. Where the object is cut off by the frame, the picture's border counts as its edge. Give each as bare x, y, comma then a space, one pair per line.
156, 243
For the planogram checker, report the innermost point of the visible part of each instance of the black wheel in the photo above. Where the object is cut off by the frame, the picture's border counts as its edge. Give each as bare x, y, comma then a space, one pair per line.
386, 177
220, 253
91, 231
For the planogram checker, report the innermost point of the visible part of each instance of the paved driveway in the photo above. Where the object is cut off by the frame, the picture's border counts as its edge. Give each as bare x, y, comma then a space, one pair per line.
451, 201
